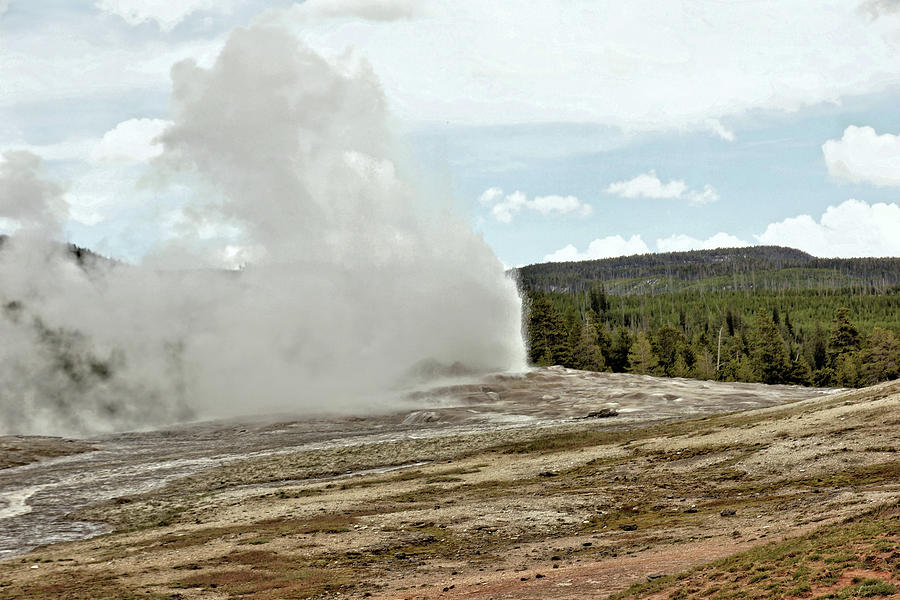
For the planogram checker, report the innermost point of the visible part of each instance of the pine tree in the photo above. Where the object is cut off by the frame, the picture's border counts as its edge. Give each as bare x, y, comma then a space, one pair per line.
846, 369
704, 366
667, 342
880, 361
844, 338
681, 368
743, 369
546, 333
618, 352
586, 354
641, 358
769, 357
800, 372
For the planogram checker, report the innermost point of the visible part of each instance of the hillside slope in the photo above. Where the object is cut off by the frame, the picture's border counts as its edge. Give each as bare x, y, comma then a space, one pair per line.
735, 269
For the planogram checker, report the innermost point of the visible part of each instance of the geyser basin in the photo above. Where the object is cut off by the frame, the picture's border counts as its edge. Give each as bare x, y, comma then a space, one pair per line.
35, 499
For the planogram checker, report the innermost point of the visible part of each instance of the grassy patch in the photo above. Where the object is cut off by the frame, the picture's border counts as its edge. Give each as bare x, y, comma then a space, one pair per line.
255, 533
76, 585
267, 582
798, 567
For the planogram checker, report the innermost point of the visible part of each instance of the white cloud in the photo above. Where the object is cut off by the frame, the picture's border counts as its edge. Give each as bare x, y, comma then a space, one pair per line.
505, 208
134, 140
705, 197
474, 62
368, 10
4, 6
166, 13
470, 62
509, 206
850, 229
853, 228
716, 127
648, 185
490, 195
78, 69
863, 156
608, 247
560, 204
682, 243
877, 8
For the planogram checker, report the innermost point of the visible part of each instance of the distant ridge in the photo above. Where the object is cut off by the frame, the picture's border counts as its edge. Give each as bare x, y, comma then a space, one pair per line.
749, 268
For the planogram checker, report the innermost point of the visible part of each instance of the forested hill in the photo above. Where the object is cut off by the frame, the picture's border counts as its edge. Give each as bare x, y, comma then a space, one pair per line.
769, 268
765, 314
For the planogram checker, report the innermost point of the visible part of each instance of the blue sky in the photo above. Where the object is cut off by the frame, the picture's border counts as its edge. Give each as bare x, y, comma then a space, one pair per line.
571, 129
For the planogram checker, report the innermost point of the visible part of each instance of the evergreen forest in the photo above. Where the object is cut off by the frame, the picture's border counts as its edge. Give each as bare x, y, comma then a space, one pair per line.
761, 314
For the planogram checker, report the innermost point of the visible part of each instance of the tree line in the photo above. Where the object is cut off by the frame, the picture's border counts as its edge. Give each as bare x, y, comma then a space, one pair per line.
782, 337
756, 268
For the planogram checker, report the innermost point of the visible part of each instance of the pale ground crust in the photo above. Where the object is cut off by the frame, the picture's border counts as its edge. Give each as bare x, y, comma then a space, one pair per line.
570, 511
18, 450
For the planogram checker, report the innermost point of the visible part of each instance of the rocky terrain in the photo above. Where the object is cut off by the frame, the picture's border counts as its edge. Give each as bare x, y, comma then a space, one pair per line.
727, 492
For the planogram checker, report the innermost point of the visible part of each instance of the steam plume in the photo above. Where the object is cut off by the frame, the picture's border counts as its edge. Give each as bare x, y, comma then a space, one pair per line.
353, 278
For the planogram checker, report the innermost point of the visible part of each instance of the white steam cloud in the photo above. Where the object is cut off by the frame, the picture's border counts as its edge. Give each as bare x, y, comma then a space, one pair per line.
28, 200
353, 277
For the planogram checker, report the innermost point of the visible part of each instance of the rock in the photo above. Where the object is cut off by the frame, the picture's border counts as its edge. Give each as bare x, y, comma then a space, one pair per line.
548, 474
628, 527
728, 512
603, 413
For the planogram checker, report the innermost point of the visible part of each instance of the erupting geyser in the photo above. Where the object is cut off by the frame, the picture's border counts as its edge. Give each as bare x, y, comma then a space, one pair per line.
352, 276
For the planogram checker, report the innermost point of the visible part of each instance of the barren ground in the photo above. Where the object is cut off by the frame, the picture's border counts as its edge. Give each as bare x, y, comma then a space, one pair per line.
794, 500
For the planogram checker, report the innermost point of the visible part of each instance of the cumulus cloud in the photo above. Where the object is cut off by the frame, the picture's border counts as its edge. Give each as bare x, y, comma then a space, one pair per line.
134, 140
850, 229
853, 228
682, 242
626, 63
703, 197
716, 127
166, 13
649, 185
490, 195
863, 156
608, 247
367, 10
505, 207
